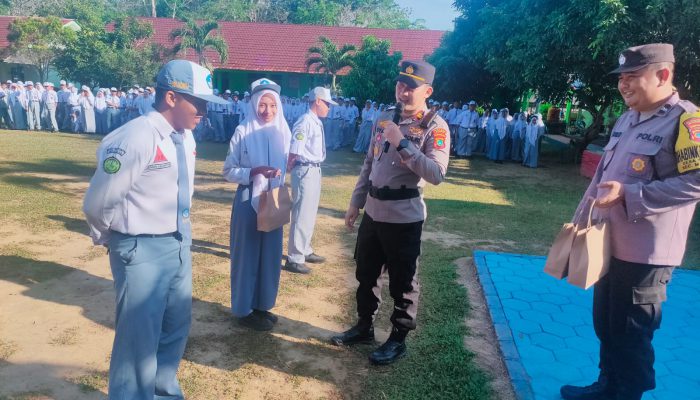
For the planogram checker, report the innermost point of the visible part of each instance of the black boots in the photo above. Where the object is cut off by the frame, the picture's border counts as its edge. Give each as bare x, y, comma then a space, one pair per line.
603, 389
363, 333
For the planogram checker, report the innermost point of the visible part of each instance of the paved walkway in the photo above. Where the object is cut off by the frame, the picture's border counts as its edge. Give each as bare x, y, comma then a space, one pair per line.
546, 333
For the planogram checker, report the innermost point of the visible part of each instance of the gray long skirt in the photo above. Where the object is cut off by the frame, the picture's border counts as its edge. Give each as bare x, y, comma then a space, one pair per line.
256, 259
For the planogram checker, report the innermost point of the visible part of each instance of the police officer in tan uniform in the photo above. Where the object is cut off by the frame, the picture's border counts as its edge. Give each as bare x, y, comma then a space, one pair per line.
403, 155
647, 184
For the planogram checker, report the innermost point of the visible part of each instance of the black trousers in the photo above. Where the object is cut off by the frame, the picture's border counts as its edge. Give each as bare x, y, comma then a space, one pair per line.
395, 248
626, 312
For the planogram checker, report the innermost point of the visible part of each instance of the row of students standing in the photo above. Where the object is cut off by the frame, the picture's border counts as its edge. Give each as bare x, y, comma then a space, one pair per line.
496, 133
341, 122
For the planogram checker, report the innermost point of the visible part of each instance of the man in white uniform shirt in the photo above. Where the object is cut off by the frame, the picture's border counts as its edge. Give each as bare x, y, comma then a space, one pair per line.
307, 152
139, 198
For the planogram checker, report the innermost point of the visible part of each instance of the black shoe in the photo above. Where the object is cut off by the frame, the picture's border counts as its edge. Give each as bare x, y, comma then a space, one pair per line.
314, 258
358, 334
267, 315
387, 353
600, 390
296, 268
255, 323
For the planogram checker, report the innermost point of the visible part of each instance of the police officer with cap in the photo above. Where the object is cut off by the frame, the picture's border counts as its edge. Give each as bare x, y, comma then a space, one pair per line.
647, 186
403, 155
138, 205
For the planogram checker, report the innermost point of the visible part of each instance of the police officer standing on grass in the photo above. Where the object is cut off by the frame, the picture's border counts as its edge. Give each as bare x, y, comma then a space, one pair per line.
307, 152
648, 184
399, 162
138, 205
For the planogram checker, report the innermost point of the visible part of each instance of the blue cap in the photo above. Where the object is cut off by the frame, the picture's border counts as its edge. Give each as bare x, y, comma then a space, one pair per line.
186, 77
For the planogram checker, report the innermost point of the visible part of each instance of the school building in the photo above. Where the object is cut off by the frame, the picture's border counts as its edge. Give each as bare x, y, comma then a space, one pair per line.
279, 51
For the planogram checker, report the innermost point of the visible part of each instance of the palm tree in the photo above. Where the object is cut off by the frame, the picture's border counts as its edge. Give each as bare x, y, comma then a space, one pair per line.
200, 38
329, 59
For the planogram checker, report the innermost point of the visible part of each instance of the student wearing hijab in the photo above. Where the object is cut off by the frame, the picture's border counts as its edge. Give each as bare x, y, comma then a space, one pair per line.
87, 110
517, 137
502, 130
365, 135
100, 112
492, 135
532, 137
257, 158
468, 127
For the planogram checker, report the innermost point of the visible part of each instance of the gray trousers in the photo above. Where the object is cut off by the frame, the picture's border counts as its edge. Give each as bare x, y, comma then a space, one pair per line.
34, 115
51, 116
306, 194
464, 141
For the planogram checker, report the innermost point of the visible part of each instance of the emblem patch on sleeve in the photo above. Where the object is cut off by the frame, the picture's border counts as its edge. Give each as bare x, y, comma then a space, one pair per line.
299, 136
439, 138
638, 164
688, 143
111, 165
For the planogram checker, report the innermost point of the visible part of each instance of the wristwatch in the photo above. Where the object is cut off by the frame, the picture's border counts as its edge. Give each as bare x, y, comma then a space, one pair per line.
402, 144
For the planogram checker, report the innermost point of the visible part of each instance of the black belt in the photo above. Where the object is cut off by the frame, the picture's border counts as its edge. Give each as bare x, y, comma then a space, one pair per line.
177, 235
385, 193
306, 164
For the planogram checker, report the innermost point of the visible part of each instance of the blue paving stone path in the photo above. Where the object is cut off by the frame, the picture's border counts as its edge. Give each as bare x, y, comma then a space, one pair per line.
545, 329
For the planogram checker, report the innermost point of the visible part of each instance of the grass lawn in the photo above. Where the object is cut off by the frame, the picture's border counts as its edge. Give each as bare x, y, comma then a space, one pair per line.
480, 206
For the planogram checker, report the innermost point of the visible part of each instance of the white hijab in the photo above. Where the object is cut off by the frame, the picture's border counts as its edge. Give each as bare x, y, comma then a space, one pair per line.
491, 123
267, 144
533, 131
520, 125
502, 123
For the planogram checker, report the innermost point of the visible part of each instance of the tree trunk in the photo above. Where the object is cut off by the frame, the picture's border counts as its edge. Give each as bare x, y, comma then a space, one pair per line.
153, 8
333, 88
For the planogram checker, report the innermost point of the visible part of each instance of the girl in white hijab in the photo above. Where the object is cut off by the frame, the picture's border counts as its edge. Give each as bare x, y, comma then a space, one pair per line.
87, 110
492, 135
257, 159
532, 140
518, 134
100, 112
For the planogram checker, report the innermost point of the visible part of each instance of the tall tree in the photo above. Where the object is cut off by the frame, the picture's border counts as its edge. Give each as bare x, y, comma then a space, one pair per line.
329, 59
200, 38
37, 41
374, 73
547, 45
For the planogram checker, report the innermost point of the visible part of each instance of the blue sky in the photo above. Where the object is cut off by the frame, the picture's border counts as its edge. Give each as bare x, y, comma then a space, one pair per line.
438, 14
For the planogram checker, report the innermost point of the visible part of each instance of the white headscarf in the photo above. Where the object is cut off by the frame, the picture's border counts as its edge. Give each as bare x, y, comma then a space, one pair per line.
267, 144
533, 130
520, 125
491, 123
502, 123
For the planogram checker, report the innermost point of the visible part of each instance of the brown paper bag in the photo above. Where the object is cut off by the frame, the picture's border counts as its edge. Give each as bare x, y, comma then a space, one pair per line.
590, 254
558, 258
274, 209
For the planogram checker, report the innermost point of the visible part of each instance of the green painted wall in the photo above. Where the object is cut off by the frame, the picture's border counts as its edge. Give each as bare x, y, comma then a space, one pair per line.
293, 84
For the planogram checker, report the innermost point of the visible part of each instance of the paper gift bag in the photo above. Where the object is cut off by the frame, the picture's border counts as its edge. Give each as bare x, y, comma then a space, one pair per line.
590, 254
274, 209
558, 258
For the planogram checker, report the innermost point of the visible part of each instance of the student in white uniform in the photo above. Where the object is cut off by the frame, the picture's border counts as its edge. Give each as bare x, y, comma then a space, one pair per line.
33, 107
365, 136
87, 110
51, 105
139, 198
306, 153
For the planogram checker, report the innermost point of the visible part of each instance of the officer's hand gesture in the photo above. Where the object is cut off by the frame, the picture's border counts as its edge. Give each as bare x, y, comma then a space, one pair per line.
615, 194
393, 134
351, 216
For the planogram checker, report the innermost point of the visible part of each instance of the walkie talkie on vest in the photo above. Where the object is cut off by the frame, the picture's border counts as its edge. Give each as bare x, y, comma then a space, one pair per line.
397, 118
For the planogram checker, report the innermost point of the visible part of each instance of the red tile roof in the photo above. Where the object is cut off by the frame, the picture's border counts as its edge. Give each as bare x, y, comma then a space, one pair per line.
284, 47
6, 20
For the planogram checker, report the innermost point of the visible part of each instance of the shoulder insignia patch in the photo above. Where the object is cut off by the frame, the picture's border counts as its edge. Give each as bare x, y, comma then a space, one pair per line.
111, 165
439, 138
688, 142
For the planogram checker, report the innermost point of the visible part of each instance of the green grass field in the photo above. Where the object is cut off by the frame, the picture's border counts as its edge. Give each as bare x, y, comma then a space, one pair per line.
480, 206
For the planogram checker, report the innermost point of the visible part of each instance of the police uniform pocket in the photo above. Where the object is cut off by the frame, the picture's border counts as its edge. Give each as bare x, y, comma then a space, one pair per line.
639, 166
645, 312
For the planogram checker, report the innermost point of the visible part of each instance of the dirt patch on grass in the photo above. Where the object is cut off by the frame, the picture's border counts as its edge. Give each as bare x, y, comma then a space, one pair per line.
482, 336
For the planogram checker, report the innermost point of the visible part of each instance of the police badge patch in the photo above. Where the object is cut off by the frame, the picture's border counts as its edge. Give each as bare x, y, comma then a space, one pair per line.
439, 138
688, 143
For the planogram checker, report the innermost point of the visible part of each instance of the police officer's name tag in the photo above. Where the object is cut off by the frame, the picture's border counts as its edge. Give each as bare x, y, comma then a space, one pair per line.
688, 143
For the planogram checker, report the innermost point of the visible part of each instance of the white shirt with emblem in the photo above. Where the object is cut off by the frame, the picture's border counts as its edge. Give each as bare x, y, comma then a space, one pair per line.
308, 139
134, 189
